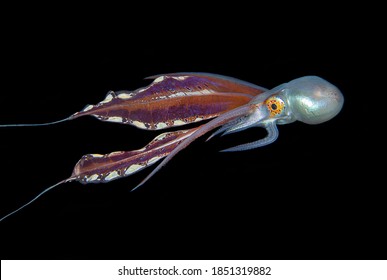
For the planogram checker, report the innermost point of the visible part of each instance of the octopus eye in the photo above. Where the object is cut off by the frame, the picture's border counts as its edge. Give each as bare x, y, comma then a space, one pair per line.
275, 106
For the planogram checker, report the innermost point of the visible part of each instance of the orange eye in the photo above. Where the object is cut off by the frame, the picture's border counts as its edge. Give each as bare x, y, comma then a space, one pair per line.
275, 106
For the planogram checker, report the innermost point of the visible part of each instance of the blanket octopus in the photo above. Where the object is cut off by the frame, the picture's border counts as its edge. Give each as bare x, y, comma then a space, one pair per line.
217, 101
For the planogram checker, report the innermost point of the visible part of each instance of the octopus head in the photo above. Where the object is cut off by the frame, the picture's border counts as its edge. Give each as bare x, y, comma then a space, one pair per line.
312, 100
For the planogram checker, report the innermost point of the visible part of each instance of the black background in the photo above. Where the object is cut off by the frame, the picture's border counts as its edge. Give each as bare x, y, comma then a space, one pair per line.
316, 193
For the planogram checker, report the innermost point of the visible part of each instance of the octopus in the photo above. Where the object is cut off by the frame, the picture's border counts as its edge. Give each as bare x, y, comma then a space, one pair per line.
213, 101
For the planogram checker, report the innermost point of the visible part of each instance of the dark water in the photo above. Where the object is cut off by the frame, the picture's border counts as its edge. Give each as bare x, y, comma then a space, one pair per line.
316, 193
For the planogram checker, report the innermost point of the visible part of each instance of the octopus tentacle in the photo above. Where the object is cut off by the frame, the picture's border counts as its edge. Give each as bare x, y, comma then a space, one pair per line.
229, 116
272, 135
